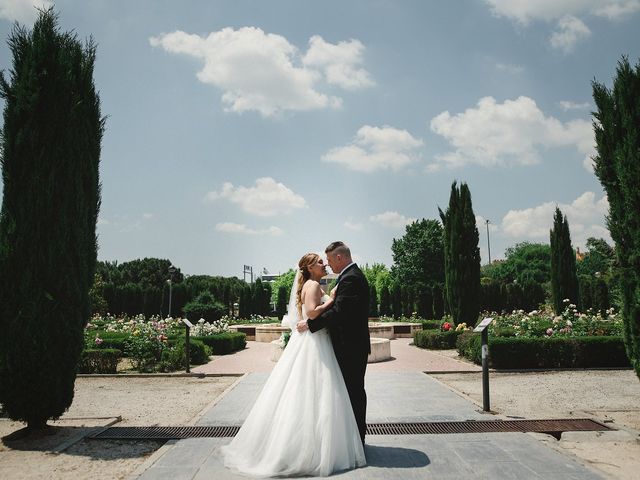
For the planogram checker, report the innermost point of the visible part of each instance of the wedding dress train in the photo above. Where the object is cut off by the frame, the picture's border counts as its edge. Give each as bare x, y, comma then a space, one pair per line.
302, 422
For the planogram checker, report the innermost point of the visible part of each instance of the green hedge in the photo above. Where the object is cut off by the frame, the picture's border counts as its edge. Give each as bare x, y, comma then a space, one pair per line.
431, 324
111, 340
559, 352
174, 358
469, 345
224, 343
102, 360
435, 339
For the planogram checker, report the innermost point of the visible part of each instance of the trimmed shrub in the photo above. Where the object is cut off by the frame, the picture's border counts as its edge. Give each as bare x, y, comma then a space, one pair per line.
435, 339
431, 324
469, 345
561, 352
224, 343
175, 357
211, 312
113, 340
103, 360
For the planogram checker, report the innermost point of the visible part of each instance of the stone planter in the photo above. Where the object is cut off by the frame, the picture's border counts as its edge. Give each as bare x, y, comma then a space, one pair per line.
405, 329
381, 330
269, 333
248, 330
380, 350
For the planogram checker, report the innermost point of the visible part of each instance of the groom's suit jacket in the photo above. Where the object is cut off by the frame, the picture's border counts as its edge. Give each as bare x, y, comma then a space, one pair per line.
348, 317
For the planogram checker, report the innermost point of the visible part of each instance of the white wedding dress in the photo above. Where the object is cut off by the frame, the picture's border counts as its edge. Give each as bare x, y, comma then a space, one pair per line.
302, 422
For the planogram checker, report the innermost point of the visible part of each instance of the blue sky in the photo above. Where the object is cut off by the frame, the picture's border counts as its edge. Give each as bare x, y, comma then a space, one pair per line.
250, 132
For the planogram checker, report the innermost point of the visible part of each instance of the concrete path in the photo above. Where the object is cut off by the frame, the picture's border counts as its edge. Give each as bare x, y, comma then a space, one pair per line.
393, 397
405, 358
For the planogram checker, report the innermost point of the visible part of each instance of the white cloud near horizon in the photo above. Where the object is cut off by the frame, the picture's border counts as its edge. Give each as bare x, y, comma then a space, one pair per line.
506, 134
376, 148
586, 216
570, 31
241, 229
513, 69
23, 11
567, 105
263, 72
265, 199
391, 219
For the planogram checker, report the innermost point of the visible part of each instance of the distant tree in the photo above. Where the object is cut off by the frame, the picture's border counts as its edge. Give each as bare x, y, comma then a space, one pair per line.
418, 258
438, 302
96, 296
245, 305
50, 154
385, 302
373, 300
523, 262
282, 301
461, 256
396, 300
564, 279
617, 165
283, 280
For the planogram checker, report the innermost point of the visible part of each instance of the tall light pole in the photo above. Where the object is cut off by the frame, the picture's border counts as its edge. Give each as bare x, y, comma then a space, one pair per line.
172, 270
488, 244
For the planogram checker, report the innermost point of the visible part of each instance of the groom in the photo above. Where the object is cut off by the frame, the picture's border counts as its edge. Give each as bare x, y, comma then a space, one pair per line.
348, 323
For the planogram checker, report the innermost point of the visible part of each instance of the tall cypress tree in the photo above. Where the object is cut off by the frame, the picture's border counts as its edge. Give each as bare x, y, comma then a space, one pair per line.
373, 300
461, 256
564, 278
396, 300
50, 158
385, 302
617, 165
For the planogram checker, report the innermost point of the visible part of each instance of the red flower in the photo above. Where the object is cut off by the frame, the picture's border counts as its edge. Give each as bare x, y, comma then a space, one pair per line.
446, 326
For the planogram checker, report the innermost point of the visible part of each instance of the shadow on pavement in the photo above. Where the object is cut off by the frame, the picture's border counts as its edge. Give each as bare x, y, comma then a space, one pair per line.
395, 457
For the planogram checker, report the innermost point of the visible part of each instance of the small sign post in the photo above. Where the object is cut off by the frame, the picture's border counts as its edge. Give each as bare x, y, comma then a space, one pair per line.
187, 351
482, 328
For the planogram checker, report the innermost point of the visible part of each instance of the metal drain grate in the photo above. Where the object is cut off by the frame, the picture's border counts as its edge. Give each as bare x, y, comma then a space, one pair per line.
552, 427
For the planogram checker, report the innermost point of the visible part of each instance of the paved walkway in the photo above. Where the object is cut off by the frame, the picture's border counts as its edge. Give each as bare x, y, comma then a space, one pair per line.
405, 358
393, 397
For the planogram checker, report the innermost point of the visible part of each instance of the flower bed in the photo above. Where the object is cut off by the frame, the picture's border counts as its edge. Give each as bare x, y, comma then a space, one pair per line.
158, 344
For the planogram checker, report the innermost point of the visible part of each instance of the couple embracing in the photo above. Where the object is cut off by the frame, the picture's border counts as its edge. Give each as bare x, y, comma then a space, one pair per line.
310, 417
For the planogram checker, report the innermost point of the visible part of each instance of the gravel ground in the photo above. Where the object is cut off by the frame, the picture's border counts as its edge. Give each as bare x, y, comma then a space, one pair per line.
608, 396
139, 401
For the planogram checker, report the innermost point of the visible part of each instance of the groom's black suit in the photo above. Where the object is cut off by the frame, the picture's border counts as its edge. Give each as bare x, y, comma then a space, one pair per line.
348, 323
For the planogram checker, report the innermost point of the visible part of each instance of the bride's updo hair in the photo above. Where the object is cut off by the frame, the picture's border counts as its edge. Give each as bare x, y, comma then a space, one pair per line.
308, 260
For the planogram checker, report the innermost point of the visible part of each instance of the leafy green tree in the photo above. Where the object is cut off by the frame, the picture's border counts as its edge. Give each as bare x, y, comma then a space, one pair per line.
461, 256
617, 165
523, 262
564, 279
96, 296
285, 280
418, 258
50, 147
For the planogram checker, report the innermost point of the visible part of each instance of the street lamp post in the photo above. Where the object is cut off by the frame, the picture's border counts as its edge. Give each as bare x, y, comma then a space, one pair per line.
488, 244
172, 271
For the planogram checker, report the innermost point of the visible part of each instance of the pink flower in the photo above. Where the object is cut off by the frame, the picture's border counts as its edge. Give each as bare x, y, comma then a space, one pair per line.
549, 331
446, 326
98, 340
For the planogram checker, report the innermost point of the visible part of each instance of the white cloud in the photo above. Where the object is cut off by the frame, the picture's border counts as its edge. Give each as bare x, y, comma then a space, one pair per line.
523, 11
148, 216
241, 229
509, 133
513, 69
23, 11
375, 148
265, 199
567, 105
356, 227
391, 219
570, 31
339, 62
264, 72
586, 216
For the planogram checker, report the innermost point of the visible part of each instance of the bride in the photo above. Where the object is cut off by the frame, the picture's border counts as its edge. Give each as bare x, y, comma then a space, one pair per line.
302, 422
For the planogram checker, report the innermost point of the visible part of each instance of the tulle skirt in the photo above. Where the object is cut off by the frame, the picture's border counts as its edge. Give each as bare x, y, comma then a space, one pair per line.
302, 422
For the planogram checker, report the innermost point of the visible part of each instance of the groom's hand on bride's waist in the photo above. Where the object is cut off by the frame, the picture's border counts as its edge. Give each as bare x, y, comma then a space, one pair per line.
302, 326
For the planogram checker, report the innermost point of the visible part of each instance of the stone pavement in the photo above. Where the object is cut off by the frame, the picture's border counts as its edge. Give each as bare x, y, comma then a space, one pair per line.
393, 397
405, 357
